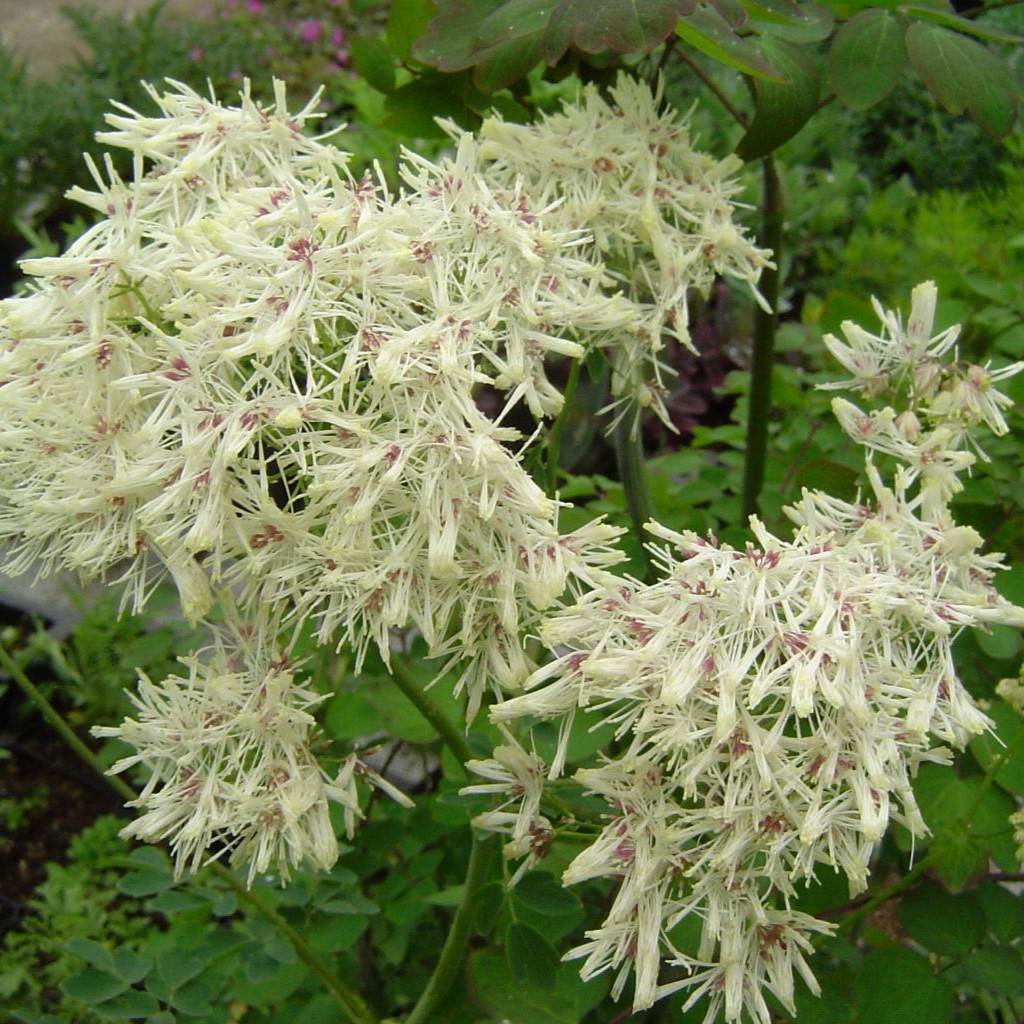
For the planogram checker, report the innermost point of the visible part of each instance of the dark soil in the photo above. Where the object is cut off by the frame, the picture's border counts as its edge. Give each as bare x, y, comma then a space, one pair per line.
47, 796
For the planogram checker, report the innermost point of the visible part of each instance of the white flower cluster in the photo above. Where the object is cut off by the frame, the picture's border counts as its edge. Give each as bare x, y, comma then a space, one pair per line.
231, 769
773, 704
257, 375
658, 214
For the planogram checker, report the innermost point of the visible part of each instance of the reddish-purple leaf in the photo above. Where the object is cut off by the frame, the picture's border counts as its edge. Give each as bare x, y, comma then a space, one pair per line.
618, 26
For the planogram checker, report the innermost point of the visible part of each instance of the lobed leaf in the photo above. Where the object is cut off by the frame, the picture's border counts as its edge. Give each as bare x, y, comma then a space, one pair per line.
707, 31
896, 986
618, 26
781, 109
867, 57
407, 21
372, 60
963, 75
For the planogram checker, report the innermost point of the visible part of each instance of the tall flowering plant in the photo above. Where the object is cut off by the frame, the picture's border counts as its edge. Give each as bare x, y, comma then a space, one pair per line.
256, 377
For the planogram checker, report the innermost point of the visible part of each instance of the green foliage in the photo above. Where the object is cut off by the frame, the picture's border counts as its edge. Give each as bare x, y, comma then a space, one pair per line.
777, 45
91, 671
55, 119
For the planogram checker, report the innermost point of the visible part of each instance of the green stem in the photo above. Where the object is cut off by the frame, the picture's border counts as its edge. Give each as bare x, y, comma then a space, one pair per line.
772, 214
351, 1004
449, 733
454, 948
66, 733
629, 454
906, 882
555, 438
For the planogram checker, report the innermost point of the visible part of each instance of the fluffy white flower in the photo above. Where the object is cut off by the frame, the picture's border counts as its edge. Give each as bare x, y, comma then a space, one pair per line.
772, 704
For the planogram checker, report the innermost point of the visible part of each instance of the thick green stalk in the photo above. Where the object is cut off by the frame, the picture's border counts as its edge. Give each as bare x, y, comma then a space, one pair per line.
555, 438
454, 950
629, 454
760, 407
351, 1004
66, 733
449, 733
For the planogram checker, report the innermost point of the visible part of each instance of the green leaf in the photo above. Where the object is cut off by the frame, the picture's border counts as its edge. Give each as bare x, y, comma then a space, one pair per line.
93, 986
131, 966
707, 31
413, 109
272, 987
616, 26
943, 16
996, 968
93, 953
513, 20
530, 956
492, 988
542, 893
129, 1005
1003, 752
336, 934
407, 21
896, 986
867, 58
351, 715
194, 999
487, 905
969, 824
450, 42
1004, 911
943, 922
175, 967
963, 75
781, 109
999, 641
373, 61
787, 19
145, 882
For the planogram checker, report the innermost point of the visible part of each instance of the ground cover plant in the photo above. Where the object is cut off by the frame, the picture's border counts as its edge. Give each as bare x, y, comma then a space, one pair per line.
739, 722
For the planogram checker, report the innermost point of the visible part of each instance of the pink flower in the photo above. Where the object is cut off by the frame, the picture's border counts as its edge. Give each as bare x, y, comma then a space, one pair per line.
195, 54
310, 30
337, 36
253, 6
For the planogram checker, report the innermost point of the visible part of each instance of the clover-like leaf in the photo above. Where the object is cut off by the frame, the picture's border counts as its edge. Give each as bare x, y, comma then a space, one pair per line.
618, 26
707, 31
867, 57
781, 109
788, 19
963, 75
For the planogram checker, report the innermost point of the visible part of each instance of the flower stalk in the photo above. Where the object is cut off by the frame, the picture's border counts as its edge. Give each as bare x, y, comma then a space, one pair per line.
763, 355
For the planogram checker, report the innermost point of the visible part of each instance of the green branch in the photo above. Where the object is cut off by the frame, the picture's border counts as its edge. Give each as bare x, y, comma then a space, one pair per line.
449, 733
760, 403
56, 722
454, 950
629, 455
555, 438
